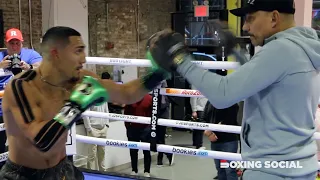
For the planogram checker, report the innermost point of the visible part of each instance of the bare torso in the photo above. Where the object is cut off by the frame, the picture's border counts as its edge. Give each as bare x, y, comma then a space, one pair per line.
22, 151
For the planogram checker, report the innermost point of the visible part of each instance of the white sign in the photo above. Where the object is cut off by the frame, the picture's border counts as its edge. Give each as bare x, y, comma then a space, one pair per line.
71, 141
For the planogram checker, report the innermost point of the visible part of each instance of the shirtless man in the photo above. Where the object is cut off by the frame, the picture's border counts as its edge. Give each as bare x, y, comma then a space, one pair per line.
41, 105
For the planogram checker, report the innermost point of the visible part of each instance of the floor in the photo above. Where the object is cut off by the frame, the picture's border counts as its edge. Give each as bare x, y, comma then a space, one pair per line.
184, 167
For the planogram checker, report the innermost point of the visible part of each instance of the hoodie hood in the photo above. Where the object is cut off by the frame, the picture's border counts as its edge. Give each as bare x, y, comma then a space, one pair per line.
306, 38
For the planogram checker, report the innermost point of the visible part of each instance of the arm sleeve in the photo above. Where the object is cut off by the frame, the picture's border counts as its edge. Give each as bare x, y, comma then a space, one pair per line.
240, 57
34, 57
264, 69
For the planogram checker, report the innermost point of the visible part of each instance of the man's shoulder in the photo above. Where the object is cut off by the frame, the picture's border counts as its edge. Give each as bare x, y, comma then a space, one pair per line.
17, 83
281, 44
27, 51
26, 75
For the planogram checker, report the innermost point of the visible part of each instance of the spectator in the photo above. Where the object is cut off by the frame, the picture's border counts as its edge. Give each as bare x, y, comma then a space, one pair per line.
14, 41
29, 59
197, 106
97, 127
220, 141
139, 132
162, 130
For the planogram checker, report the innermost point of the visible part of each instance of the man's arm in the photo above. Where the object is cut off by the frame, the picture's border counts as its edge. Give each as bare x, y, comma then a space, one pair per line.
265, 68
12, 112
45, 133
193, 102
127, 93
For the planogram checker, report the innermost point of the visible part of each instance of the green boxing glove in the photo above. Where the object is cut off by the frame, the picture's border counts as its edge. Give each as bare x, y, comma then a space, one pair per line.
88, 93
155, 74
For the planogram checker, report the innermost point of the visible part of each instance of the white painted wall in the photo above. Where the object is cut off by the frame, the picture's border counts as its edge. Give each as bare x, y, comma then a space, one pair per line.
130, 73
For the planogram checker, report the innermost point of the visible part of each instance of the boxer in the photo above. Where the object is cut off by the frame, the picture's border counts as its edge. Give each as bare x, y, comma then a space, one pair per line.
41, 105
280, 86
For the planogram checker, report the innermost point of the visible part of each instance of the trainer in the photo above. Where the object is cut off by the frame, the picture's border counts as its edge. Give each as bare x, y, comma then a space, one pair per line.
280, 85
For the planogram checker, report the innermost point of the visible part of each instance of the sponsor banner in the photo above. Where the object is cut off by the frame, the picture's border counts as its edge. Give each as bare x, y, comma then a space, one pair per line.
154, 119
122, 144
122, 116
191, 125
189, 151
183, 92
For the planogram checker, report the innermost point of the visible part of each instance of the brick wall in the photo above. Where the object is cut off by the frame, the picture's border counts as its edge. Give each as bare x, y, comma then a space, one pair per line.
125, 24
11, 19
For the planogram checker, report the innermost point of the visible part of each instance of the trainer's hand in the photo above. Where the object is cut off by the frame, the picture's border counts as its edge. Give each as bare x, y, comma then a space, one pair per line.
166, 49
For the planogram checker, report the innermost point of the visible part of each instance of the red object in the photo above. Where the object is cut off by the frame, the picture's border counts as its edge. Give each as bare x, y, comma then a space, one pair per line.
109, 45
141, 108
223, 161
13, 33
201, 11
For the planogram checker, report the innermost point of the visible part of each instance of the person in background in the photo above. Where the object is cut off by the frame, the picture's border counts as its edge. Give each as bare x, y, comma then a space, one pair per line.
139, 132
162, 130
30, 59
197, 105
220, 141
97, 127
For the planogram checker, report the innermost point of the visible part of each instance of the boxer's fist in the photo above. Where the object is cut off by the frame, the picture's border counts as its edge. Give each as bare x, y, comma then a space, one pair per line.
89, 93
166, 49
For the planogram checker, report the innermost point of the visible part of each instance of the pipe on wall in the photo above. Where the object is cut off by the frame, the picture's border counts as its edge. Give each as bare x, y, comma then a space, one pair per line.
138, 29
20, 16
30, 24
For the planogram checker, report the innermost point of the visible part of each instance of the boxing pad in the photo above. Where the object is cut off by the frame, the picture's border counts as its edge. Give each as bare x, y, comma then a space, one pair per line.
166, 49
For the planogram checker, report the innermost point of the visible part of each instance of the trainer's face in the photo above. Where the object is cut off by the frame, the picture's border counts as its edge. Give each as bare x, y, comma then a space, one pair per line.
72, 58
259, 25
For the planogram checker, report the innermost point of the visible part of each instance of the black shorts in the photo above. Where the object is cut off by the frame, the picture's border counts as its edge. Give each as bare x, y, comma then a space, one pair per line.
65, 170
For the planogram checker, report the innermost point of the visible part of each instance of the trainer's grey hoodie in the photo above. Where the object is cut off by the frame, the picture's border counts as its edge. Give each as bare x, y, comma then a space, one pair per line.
281, 88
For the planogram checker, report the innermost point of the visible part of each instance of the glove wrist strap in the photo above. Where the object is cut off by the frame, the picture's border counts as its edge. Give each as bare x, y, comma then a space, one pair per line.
68, 115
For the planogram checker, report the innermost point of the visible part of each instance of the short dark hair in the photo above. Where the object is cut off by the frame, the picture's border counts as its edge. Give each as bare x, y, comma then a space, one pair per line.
105, 75
59, 34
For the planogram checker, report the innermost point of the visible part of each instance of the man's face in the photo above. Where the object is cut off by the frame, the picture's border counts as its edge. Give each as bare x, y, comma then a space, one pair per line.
14, 46
71, 58
259, 25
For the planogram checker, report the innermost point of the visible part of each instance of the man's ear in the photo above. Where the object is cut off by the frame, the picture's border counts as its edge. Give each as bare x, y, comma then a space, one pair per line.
54, 52
275, 18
